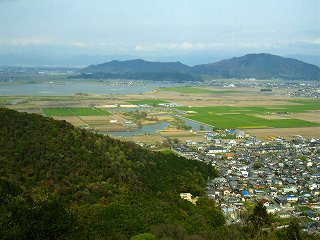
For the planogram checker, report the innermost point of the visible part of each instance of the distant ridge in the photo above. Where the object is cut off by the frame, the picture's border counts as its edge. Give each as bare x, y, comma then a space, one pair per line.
137, 66
140, 69
259, 66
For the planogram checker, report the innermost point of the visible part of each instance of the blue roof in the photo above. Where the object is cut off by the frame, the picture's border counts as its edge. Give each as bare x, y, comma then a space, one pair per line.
245, 193
291, 196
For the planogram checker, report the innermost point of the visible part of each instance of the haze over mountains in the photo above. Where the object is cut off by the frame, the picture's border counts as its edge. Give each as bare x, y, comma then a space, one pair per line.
259, 66
44, 58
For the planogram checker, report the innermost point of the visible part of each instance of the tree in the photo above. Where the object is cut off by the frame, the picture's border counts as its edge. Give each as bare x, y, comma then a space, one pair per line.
257, 165
293, 230
21, 218
260, 217
144, 236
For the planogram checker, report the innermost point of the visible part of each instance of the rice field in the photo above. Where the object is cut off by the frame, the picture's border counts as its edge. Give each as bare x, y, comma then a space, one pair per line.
242, 117
74, 112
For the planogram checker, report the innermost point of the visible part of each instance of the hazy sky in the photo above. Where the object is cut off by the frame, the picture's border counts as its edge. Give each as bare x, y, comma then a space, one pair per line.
160, 27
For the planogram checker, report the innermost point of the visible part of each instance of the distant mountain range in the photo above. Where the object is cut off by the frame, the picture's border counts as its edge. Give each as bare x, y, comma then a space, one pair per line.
259, 66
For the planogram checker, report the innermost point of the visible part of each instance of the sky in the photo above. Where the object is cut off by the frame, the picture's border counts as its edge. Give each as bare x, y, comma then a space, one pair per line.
159, 27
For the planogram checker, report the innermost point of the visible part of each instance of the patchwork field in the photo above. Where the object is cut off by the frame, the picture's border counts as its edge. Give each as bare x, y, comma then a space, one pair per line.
195, 90
286, 116
258, 113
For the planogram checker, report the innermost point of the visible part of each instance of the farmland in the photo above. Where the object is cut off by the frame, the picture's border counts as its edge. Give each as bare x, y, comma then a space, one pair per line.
151, 102
255, 112
74, 112
194, 90
243, 117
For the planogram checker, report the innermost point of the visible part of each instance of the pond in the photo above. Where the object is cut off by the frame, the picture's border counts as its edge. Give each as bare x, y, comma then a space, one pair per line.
146, 129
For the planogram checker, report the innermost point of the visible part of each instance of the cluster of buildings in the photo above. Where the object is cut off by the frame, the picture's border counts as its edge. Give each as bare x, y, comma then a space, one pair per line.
282, 174
275, 84
305, 93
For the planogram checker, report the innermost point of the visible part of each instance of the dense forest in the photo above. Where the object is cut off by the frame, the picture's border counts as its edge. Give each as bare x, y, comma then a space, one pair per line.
100, 186
62, 182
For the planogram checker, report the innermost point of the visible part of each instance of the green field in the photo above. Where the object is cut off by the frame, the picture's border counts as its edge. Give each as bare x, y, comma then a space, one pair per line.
303, 208
242, 117
74, 112
147, 101
194, 90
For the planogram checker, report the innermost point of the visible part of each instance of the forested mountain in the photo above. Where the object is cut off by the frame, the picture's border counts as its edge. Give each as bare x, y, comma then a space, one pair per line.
139, 69
61, 181
136, 66
259, 66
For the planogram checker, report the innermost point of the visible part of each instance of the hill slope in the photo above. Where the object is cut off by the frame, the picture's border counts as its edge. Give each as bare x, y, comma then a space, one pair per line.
112, 188
260, 66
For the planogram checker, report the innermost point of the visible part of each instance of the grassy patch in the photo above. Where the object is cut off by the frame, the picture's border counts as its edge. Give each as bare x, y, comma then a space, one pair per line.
303, 208
74, 112
194, 90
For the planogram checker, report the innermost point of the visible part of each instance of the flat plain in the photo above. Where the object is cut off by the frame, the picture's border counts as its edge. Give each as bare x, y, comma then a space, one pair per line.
255, 112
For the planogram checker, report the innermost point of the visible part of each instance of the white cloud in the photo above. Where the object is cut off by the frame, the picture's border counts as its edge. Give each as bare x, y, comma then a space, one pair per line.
315, 41
21, 42
77, 44
171, 46
187, 46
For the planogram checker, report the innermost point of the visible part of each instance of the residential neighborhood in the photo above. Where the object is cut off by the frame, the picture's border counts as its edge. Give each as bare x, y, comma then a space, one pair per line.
282, 174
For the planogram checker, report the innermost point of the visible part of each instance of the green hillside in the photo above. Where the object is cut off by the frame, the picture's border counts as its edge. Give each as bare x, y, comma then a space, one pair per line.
66, 182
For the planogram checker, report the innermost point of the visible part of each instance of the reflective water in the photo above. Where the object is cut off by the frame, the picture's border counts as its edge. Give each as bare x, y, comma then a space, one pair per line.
70, 88
146, 129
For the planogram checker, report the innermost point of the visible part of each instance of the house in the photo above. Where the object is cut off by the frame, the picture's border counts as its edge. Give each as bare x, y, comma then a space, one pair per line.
280, 200
289, 189
214, 150
265, 202
226, 191
292, 198
239, 134
272, 209
312, 215
284, 214
258, 192
245, 194
186, 196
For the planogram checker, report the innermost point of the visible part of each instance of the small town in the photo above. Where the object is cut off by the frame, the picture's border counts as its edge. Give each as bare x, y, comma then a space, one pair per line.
282, 174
